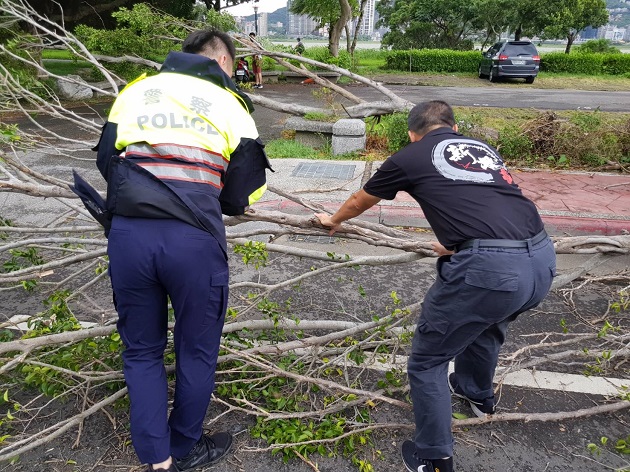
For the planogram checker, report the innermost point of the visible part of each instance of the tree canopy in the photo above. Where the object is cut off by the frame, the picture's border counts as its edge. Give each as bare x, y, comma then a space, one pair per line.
574, 16
96, 13
455, 23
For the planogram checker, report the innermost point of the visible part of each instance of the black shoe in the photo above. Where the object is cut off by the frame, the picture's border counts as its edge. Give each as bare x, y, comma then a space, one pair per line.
413, 463
172, 468
481, 408
209, 450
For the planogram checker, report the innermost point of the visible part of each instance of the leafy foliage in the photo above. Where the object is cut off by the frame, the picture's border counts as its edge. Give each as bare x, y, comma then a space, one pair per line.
598, 46
434, 60
573, 17
591, 64
146, 32
429, 24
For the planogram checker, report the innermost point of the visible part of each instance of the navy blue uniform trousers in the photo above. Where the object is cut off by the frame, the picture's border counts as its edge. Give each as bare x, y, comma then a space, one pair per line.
465, 316
151, 260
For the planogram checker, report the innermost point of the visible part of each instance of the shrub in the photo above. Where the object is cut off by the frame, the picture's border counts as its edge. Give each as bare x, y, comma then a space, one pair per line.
434, 60
513, 144
591, 63
598, 45
616, 64
394, 127
585, 139
322, 54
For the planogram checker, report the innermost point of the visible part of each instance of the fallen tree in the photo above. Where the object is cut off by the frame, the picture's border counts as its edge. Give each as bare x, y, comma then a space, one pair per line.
267, 346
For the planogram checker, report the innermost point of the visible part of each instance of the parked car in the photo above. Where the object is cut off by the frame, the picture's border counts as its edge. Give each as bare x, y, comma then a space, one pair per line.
518, 59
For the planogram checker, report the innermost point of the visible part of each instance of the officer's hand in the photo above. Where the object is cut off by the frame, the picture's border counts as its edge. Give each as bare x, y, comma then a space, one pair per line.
326, 221
441, 250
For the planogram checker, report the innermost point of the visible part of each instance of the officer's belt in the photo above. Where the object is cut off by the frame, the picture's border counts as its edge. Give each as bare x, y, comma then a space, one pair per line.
503, 243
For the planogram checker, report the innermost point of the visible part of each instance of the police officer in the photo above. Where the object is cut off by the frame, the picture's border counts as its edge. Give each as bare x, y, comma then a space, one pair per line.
178, 149
496, 262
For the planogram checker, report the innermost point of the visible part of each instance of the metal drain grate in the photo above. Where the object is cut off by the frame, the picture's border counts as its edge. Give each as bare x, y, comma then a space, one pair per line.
302, 238
324, 170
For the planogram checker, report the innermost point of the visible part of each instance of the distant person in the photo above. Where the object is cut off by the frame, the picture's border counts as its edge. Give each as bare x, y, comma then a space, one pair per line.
496, 261
299, 47
256, 64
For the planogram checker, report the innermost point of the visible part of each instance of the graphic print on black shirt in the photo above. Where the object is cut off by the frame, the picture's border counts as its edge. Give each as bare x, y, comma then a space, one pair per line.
469, 160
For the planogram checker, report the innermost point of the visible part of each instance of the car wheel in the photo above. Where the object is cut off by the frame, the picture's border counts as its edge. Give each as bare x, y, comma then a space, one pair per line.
492, 76
480, 73
529, 80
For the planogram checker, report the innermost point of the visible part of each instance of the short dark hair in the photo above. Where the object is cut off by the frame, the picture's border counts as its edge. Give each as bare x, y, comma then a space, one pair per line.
298, 39
201, 41
252, 34
428, 114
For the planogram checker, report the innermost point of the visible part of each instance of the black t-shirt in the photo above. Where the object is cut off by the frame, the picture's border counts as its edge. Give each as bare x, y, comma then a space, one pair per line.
463, 187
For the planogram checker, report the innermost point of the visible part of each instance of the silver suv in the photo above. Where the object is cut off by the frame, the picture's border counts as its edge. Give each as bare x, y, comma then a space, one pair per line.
517, 59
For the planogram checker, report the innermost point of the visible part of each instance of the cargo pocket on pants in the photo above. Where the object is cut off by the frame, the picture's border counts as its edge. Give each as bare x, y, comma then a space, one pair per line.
490, 293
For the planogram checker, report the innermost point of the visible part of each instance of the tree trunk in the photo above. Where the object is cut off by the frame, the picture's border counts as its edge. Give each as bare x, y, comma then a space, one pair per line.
348, 37
338, 26
213, 4
356, 30
570, 39
518, 33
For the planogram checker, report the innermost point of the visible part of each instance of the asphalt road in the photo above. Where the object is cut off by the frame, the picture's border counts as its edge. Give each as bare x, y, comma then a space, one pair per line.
494, 96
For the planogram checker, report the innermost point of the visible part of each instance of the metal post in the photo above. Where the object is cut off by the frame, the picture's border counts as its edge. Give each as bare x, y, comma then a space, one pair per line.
256, 17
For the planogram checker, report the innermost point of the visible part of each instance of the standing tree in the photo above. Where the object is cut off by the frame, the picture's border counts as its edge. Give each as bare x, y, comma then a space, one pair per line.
427, 24
334, 13
531, 17
574, 17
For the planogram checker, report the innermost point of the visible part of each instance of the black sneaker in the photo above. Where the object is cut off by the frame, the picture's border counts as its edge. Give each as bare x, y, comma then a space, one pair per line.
172, 468
413, 463
481, 408
209, 450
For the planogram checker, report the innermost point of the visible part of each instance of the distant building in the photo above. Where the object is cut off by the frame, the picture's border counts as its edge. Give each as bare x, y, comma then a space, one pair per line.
366, 28
300, 25
263, 24
588, 33
612, 33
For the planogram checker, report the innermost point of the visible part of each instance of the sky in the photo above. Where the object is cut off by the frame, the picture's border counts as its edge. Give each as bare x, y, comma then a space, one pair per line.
263, 5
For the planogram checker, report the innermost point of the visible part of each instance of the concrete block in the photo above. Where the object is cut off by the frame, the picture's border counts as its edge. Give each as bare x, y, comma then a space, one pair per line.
310, 133
291, 76
346, 144
348, 136
270, 76
349, 127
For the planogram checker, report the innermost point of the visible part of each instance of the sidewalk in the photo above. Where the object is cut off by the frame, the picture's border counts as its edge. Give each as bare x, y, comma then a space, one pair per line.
570, 203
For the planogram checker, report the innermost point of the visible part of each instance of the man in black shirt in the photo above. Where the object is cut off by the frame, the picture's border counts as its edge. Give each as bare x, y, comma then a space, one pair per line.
496, 261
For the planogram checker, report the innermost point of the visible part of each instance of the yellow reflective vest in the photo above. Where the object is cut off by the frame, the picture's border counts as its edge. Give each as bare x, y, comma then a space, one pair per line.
182, 144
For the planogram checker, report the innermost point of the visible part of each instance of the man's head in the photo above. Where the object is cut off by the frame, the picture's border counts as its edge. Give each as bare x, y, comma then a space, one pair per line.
427, 116
252, 35
299, 40
212, 44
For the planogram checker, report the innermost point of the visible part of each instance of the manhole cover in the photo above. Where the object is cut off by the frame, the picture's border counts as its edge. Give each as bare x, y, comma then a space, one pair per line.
324, 170
302, 238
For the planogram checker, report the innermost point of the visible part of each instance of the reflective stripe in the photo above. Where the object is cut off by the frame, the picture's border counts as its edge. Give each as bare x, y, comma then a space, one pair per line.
185, 173
257, 194
184, 153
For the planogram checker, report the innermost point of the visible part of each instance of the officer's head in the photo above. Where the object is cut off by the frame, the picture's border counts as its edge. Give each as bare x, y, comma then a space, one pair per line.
427, 116
212, 44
